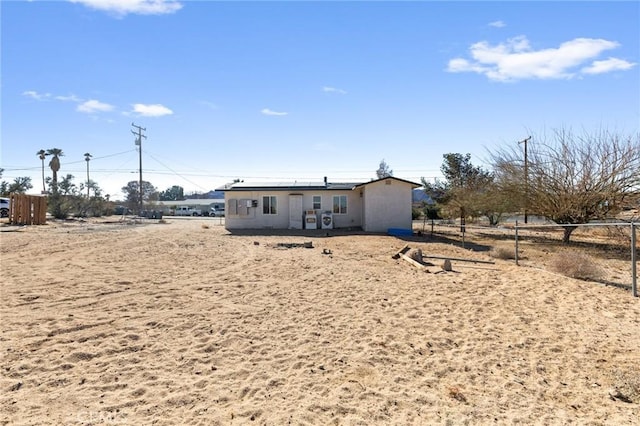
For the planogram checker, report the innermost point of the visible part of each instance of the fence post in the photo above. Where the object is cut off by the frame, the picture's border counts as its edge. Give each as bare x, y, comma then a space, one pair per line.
517, 243
634, 275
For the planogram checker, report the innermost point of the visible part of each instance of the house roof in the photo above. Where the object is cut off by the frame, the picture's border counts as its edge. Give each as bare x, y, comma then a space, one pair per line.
413, 184
288, 186
309, 186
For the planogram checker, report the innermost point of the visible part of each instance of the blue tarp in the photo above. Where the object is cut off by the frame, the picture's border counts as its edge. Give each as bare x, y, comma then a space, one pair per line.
400, 232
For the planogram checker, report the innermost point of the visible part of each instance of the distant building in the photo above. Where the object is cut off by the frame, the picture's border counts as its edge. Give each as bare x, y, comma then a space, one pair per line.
205, 205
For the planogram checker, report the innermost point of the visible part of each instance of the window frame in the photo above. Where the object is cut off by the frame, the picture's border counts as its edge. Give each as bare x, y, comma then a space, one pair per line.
269, 205
340, 208
319, 202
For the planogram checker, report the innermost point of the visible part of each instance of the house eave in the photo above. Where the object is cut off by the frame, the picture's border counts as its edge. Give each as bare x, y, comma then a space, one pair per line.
413, 184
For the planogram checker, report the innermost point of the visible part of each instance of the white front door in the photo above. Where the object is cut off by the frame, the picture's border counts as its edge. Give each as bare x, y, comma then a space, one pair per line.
295, 211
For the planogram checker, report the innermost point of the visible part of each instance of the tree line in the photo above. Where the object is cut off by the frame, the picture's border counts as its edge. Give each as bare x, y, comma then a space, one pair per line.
566, 178
85, 199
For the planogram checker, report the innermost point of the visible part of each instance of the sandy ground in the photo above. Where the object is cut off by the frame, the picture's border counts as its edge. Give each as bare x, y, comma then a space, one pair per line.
185, 323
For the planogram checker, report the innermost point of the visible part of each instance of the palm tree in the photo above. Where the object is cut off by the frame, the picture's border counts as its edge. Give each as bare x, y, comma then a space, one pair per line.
55, 165
42, 154
87, 158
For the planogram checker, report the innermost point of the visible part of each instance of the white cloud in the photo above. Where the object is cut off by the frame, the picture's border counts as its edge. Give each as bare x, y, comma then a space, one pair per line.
92, 106
154, 110
35, 95
608, 65
210, 105
267, 111
70, 98
516, 60
497, 24
141, 7
462, 65
328, 89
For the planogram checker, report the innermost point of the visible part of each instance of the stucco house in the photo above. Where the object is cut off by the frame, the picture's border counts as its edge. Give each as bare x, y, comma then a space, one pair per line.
374, 206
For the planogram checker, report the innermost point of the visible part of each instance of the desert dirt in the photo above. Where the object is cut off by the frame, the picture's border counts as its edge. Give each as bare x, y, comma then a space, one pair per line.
124, 322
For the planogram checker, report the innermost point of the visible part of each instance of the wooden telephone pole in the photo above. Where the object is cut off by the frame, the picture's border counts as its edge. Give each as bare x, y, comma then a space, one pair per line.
138, 142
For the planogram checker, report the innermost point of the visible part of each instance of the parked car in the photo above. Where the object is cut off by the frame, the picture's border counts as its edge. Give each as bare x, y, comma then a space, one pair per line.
4, 207
217, 212
187, 211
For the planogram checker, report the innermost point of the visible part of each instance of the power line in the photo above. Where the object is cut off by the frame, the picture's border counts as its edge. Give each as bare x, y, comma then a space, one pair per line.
174, 172
100, 158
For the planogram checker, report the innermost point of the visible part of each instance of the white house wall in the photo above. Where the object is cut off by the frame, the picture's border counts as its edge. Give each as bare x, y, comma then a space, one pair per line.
353, 218
253, 218
387, 205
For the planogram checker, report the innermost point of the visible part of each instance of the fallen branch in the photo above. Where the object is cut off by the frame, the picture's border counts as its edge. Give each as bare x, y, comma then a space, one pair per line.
414, 262
402, 251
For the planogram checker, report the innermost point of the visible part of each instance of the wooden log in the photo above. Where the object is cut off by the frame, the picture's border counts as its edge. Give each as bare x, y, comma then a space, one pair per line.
400, 252
459, 259
446, 266
416, 255
413, 262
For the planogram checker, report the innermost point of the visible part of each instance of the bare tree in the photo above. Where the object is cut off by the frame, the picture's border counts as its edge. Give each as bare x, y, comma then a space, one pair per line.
572, 178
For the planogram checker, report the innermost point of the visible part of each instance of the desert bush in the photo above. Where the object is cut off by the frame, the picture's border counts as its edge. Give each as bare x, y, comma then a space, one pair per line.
503, 252
576, 265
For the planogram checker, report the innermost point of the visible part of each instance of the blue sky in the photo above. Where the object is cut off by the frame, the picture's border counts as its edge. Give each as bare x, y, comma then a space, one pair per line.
280, 91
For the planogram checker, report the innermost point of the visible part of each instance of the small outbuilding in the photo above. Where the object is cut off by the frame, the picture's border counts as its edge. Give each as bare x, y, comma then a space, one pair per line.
374, 206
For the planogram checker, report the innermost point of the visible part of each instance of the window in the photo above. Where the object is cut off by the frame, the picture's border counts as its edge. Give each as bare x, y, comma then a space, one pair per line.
269, 205
317, 202
233, 206
340, 204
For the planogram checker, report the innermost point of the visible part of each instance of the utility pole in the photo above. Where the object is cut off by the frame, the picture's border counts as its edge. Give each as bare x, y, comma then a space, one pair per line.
139, 137
87, 157
526, 178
